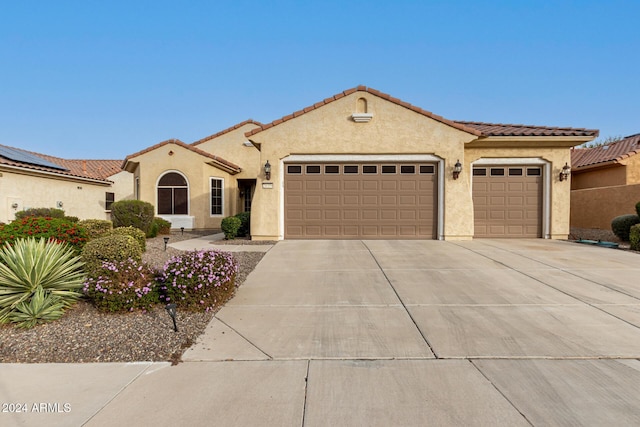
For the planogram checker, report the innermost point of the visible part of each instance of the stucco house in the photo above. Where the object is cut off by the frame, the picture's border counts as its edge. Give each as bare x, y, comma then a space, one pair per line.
364, 165
605, 183
83, 188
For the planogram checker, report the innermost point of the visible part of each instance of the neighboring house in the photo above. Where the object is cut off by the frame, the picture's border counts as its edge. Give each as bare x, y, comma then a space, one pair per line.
605, 183
83, 188
364, 165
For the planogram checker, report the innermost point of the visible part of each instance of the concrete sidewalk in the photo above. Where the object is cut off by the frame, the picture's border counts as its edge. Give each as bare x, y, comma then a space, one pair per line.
373, 333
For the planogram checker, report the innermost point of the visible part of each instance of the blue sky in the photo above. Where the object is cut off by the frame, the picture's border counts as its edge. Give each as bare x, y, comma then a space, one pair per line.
104, 79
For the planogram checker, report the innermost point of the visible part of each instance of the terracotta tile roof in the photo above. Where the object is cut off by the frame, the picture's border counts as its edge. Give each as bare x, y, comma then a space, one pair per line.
99, 170
216, 159
500, 129
329, 100
222, 132
612, 153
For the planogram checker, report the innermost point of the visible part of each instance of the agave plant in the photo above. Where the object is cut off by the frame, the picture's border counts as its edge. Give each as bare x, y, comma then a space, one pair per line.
39, 279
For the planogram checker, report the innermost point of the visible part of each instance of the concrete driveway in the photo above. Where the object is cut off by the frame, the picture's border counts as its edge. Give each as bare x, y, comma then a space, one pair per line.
398, 333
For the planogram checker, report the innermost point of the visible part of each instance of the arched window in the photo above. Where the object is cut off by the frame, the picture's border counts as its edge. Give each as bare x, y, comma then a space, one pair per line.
173, 194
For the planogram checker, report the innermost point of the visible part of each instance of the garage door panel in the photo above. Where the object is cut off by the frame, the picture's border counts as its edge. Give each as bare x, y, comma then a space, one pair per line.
408, 186
507, 206
371, 200
351, 185
331, 185
370, 185
388, 185
350, 214
370, 214
361, 205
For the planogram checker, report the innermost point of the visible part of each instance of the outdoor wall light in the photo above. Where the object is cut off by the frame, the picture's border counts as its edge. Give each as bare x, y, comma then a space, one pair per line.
565, 172
267, 170
171, 309
457, 168
166, 240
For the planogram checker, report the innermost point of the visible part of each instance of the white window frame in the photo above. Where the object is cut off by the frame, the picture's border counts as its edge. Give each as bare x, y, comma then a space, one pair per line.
222, 204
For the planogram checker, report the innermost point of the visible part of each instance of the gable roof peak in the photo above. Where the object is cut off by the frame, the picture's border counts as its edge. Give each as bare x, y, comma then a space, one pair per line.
362, 88
229, 129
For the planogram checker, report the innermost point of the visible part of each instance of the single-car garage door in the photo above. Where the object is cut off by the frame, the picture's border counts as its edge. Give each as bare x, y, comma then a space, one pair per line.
507, 201
360, 201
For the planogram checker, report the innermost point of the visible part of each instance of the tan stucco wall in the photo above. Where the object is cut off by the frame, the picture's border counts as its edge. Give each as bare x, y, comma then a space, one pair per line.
596, 207
392, 130
633, 169
594, 178
79, 198
155, 163
230, 146
560, 192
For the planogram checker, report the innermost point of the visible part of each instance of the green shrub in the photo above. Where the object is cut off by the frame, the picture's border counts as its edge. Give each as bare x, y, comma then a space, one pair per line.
164, 226
230, 226
638, 208
621, 225
112, 248
122, 286
133, 232
199, 280
634, 237
245, 224
134, 213
96, 227
41, 212
39, 279
59, 229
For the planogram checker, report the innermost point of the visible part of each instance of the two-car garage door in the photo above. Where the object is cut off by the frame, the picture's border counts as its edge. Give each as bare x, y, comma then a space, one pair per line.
360, 200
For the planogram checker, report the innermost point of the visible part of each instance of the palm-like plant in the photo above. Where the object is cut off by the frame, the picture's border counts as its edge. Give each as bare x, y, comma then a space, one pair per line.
39, 279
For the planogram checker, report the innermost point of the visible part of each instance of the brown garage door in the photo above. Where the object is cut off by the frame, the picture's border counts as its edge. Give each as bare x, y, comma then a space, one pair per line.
360, 201
507, 201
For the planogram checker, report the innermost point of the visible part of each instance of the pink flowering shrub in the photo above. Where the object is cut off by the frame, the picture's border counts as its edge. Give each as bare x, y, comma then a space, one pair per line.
199, 280
122, 285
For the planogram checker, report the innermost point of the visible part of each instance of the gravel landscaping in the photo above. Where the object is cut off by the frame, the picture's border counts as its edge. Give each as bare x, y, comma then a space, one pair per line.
85, 334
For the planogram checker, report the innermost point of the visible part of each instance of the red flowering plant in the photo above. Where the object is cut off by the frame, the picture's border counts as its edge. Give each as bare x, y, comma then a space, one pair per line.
59, 230
199, 280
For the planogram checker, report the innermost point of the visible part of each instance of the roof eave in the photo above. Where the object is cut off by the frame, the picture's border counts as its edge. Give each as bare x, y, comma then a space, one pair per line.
557, 141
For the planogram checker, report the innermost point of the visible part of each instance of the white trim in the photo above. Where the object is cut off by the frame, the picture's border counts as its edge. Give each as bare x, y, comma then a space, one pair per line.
188, 189
546, 183
211, 178
361, 158
345, 158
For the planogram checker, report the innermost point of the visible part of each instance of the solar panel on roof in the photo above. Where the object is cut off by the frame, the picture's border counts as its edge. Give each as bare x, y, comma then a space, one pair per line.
24, 157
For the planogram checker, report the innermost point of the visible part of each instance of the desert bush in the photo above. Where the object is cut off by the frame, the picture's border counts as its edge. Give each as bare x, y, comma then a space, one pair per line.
41, 212
134, 213
133, 232
621, 225
111, 248
39, 279
96, 227
164, 226
245, 224
59, 229
122, 286
230, 226
199, 280
634, 237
